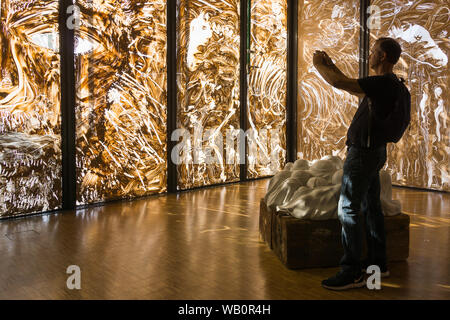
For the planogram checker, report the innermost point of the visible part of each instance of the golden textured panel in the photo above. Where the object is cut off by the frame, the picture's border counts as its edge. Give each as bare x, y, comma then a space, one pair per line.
120, 99
30, 124
325, 113
267, 87
208, 44
421, 157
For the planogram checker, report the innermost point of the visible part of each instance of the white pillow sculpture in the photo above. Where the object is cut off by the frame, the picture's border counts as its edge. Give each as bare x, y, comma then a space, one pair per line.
310, 189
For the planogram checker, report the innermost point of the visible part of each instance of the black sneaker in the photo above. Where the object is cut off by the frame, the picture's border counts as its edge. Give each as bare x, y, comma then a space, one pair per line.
383, 269
343, 281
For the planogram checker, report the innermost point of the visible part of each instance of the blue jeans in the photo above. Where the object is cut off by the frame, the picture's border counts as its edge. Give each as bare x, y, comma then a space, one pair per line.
359, 199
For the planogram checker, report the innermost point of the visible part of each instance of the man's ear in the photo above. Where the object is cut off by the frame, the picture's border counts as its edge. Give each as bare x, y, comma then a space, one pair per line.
383, 56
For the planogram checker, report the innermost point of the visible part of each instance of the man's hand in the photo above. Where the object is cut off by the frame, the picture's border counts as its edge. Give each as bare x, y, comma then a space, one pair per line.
321, 58
317, 58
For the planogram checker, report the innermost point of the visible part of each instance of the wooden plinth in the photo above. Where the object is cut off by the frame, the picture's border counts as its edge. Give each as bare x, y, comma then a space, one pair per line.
302, 243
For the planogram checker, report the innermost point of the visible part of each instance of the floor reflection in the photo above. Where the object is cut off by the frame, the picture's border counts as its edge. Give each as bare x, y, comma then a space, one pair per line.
201, 244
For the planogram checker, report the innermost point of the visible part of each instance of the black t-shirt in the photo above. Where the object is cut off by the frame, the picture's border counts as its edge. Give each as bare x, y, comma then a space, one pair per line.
383, 91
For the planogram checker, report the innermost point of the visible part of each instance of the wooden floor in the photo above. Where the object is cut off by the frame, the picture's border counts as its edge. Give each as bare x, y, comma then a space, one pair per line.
201, 244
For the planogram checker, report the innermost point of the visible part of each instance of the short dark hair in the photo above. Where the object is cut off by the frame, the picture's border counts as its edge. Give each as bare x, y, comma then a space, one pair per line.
392, 49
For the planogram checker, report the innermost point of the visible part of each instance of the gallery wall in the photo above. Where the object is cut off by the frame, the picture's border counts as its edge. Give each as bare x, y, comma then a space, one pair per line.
267, 87
121, 93
30, 116
421, 158
324, 113
121, 110
121, 105
208, 84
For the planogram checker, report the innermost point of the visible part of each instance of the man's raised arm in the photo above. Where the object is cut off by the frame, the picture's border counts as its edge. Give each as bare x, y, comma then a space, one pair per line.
334, 76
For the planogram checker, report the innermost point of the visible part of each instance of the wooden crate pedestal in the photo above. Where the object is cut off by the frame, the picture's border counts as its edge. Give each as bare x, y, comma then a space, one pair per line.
302, 243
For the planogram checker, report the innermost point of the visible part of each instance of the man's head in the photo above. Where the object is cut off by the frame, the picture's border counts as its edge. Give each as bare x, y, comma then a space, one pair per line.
385, 51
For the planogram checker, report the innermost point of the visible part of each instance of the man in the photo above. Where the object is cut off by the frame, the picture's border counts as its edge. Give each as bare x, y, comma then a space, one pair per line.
360, 192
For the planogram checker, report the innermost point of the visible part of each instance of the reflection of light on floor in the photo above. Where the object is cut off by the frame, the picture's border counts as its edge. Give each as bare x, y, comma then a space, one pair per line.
391, 285
434, 222
225, 228
444, 286
427, 225
227, 212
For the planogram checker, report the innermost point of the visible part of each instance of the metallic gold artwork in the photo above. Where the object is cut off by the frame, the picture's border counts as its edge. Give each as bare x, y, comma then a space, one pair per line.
421, 158
325, 113
120, 99
30, 124
208, 44
267, 86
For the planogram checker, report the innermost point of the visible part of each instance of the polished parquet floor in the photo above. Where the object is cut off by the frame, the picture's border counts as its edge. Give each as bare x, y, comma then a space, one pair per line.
201, 244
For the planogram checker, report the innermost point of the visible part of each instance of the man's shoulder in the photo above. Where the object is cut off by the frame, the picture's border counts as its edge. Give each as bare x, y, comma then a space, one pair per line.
381, 83
388, 77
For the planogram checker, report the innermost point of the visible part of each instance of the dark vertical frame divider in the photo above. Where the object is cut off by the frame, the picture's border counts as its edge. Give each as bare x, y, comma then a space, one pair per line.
171, 91
291, 99
67, 83
244, 54
364, 39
